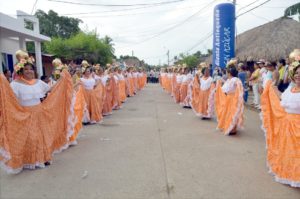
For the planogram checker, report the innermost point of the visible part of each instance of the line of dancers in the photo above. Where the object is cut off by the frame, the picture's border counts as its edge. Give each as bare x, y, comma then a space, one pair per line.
39, 119
223, 99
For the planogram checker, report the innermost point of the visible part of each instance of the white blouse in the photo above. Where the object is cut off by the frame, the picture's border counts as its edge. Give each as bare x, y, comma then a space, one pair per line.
104, 79
129, 75
140, 74
230, 85
30, 95
163, 74
205, 83
121, 77
179, 78
290, 101
135, 75
116, 78
187, 78
88, 83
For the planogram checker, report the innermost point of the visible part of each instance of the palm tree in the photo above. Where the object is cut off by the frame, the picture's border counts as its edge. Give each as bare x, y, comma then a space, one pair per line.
108, 41
292, 10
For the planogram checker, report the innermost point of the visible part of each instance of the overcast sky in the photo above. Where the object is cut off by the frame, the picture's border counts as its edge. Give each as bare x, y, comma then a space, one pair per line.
151, 30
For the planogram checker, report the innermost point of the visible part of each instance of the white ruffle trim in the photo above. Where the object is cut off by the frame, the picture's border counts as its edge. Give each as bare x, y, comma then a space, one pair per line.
10, 170
187, 101
86, 115
211, 103
107, 114
277, 179
72, 119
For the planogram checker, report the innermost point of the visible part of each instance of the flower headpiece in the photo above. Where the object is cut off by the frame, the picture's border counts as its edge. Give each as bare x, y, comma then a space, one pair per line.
20, 65
84, 65
23, 61
202, 65
295, 62
21, 54
232, 62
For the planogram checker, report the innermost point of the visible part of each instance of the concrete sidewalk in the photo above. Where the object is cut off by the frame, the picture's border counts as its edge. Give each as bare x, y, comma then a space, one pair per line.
153, 148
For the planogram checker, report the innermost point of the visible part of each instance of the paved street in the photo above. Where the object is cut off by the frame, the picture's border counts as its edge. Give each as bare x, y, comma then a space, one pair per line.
154, 149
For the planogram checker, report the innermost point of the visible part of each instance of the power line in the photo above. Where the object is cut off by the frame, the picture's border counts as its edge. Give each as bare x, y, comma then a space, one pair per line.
129, 14
253, 8
248, 5
33, 6
109, 11
116, 5
200, 42
177, 25
259, 17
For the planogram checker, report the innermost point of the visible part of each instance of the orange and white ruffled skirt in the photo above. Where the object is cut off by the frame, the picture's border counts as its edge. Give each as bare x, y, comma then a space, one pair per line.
122, 90
94, 102
79, 107
108, 100
29, 136
282, 132
177, 92
203, 100
229, 108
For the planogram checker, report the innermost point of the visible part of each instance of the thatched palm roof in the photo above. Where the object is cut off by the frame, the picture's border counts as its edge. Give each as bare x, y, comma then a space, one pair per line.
271, 41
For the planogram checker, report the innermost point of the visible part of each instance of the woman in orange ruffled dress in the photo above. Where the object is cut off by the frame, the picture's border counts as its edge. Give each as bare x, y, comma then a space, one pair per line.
122, 85
168, 81
229, 102
185, 89
116, 97
135, 80
144, 78
33, 127
173, 81
162, 78
179, 77
109, 88
203, 94
130, 81
93, 95
140, 79
281, 123
78, 101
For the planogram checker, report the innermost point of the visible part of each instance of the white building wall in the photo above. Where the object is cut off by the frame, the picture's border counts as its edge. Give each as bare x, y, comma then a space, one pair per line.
9, 46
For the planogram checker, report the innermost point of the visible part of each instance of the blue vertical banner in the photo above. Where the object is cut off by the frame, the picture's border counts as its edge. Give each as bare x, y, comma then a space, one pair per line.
223, 34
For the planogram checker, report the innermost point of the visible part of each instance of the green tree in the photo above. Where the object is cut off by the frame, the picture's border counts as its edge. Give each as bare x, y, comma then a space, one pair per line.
53, 25
191, 61
81, 46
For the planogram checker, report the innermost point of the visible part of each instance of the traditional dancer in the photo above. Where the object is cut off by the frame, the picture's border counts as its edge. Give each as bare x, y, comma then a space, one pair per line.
203, 94
93, 92
116, 93
179, 77
122, 85
32, 131
185, 88
109, 90
281, 119
229, 102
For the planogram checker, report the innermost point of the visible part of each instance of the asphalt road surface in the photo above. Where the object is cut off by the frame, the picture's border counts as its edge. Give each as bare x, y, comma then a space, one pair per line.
154, 149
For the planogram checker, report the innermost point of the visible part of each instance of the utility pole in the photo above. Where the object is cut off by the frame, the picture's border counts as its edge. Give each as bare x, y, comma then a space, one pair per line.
168, 53
132, 53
